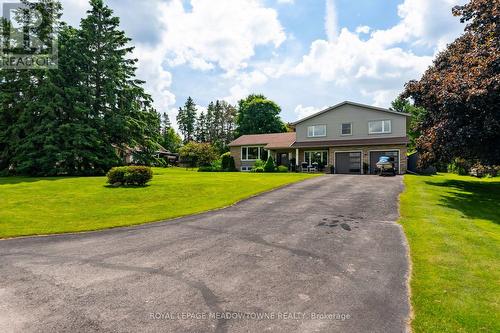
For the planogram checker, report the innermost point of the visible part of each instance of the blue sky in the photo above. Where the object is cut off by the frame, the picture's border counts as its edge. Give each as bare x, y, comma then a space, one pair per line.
304, 54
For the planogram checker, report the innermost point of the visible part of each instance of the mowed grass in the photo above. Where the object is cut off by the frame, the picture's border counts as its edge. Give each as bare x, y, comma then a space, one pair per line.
33, 206
452, 225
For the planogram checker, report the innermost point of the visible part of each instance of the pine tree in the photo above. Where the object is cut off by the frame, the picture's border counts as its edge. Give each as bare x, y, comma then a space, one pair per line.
201, 134
186, 119
122, 111
165, 124
70, 120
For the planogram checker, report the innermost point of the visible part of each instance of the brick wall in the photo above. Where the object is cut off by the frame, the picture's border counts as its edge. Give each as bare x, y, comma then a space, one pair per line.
236, 154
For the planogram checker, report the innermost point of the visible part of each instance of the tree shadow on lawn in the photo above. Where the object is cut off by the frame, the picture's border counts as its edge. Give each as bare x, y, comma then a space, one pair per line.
474, 199
13, 180
127, 186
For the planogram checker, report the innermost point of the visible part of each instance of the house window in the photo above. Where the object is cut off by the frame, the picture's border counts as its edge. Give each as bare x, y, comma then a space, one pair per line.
253, 153
379, 126
316, 131
320, 157
346, 129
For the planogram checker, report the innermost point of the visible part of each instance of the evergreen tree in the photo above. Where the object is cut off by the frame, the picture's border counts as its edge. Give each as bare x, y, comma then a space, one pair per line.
166, 124
70, 120
210, 121
201, 134
186, 119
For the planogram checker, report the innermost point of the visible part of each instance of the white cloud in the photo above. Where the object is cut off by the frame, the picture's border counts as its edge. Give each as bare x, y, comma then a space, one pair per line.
363, 29
378, 67
221, 33
331, 22
423, 22
246, 83
286, 1
305, 111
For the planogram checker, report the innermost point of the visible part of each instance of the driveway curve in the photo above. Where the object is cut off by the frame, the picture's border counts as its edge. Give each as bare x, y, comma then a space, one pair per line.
322, 255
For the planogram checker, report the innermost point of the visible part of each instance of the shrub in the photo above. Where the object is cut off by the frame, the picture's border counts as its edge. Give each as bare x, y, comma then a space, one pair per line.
205, 168
214, 167
227, 162
269, 166
259, 164
195, 154
282, 168
480, 170
258, 169
130, 175
116, 175
459, 166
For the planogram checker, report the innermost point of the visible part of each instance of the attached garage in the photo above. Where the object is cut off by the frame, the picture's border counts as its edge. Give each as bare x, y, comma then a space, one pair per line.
348, 162
374, 156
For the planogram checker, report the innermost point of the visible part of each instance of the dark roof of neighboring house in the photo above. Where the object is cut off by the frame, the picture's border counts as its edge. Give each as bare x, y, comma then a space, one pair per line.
273, 140
353, 142
349, 103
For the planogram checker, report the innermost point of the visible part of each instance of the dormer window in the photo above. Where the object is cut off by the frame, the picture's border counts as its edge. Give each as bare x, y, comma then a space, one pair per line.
316, 131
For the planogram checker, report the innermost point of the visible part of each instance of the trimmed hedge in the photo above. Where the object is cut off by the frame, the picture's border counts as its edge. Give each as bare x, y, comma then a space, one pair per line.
129, 175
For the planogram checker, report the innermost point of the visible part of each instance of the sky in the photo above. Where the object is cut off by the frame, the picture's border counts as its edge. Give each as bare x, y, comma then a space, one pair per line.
303, 54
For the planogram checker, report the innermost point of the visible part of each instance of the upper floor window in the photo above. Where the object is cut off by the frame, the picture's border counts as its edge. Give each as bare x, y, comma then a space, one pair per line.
316, 130
379, 126
346, 129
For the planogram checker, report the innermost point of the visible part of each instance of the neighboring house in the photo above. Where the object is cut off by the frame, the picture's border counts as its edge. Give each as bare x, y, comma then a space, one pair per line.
127, 154
350, 136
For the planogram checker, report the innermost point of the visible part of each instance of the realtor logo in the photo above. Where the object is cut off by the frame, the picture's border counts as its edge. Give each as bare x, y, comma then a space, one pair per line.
27, 38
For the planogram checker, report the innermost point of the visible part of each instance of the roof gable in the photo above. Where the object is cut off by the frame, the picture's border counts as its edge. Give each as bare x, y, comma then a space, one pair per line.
332, 108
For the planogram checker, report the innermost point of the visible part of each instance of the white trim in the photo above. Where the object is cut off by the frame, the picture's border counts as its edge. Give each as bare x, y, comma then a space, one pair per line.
382, 120
395, 149
348, 151
316, 136
341, 134
317, 151
250, 160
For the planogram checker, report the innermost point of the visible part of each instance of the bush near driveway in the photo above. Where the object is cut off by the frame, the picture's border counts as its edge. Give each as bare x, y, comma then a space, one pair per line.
452, 224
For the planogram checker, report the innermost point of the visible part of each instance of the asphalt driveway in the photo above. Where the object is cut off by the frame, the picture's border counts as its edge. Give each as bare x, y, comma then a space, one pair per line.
323, 255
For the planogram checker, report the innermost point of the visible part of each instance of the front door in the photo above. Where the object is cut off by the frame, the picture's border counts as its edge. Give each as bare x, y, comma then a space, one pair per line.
283, 159
348, 162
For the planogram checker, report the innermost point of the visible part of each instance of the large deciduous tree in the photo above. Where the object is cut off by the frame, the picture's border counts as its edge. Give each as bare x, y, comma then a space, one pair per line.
258, 115
461, 92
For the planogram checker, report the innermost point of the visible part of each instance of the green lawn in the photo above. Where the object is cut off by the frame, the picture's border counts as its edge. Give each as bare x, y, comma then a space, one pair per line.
32, 206
452, 225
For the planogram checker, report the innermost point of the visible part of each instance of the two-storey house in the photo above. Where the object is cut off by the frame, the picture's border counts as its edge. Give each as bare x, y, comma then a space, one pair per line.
350, 136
